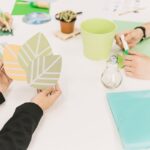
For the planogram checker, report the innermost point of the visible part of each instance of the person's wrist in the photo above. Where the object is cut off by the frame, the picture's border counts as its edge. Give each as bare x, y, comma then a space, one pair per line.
139, 33
38, 103
143, 29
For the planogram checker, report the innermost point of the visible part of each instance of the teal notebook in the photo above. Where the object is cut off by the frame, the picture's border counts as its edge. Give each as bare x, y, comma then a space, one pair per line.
144, 46
131, 112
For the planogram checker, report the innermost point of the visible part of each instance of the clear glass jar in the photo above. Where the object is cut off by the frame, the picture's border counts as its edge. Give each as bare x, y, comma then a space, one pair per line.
111, 76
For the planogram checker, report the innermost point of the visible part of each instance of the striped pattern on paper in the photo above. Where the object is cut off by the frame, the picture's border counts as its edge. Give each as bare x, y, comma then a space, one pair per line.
44, 71
35, 47
11, 64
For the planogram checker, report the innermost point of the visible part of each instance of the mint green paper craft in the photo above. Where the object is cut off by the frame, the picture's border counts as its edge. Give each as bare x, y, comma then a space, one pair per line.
142, 47
44, 71
131, 112
35, 47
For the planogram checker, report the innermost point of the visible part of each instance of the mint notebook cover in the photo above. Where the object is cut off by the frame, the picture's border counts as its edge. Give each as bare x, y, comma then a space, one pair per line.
21, 8
144, 46
131, 112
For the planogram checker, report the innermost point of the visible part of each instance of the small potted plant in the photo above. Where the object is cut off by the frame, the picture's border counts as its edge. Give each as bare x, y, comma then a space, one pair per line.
67, 20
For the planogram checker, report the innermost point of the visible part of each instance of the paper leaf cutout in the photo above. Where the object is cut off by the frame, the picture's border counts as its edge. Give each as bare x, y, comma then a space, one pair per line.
35, 47
44, 71
11, 64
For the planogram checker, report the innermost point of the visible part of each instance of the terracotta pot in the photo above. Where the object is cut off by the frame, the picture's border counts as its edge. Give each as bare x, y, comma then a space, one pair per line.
67, 27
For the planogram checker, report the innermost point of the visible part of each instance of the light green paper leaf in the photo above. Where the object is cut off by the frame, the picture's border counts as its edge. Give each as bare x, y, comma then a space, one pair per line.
44, 71
35, 47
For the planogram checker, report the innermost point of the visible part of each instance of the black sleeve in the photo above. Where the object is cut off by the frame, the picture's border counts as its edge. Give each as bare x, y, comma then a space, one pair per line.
17, 132
2, 99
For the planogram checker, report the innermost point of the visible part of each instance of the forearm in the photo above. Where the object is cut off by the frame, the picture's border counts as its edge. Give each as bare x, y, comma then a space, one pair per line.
17, 132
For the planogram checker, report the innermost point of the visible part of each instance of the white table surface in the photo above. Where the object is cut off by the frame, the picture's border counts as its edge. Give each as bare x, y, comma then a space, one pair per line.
81, 118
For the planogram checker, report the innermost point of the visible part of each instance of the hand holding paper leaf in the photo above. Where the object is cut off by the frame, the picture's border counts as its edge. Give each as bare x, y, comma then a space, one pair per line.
39, 66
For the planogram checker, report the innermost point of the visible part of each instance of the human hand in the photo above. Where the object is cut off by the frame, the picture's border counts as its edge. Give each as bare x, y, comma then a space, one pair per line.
131, 36
6, 21
41, 4
137, 65
5, 80
47, 97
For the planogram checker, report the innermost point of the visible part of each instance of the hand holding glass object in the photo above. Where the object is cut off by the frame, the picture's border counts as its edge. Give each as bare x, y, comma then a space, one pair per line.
111, 77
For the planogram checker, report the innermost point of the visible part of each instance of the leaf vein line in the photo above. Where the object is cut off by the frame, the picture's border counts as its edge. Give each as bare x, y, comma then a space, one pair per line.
23, 60
38, 44
25, 52
45, 69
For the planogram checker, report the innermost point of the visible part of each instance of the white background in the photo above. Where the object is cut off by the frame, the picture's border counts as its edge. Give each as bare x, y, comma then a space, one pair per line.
81, 118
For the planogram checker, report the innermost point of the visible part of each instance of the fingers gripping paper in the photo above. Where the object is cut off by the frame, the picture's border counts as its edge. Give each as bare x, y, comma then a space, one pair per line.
144, 46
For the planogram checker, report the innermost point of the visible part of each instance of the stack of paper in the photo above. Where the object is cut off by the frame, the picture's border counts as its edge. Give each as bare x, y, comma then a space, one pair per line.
131, 112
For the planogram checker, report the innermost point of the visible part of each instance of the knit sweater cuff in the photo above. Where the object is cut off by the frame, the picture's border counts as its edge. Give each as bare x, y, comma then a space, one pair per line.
31, 108
2, 99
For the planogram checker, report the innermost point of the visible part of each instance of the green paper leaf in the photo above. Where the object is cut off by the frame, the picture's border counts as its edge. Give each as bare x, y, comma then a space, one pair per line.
35, 47
12, 67
44, 71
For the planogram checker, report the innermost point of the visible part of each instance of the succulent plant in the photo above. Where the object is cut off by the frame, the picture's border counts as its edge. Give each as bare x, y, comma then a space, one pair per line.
66, 16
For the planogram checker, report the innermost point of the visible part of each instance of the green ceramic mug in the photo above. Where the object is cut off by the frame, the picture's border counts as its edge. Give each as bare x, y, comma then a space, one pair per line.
97, 35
